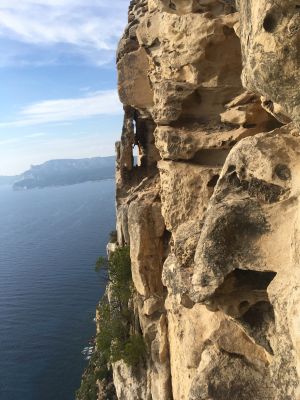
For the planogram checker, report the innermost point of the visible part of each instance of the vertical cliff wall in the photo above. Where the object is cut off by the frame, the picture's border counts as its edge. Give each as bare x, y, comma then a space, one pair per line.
210, 208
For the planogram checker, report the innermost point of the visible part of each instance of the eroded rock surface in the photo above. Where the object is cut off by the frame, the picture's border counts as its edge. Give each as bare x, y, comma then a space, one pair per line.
211, 209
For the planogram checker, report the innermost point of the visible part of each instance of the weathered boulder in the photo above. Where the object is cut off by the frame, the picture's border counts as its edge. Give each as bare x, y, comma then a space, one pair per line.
146, 230
270, 34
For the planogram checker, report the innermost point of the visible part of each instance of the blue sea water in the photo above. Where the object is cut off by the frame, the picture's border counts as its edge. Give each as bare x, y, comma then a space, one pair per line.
49, 242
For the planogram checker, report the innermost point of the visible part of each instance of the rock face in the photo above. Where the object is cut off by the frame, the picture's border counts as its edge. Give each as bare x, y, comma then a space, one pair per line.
211, 209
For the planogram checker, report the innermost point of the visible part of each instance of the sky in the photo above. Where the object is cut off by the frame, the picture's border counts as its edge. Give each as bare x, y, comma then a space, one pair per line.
58, 96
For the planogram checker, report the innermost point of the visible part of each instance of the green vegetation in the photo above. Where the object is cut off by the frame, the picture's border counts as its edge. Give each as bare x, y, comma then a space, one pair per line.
134, 349
96, 370
116, 339
113, 237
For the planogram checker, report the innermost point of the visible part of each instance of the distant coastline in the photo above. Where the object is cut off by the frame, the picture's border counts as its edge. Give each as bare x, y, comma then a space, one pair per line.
62, 173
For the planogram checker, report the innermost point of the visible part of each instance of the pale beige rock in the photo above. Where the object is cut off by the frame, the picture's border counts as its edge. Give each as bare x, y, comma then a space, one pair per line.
188, 329
257, 196
129, 384
134, 87
154, 328
146, 230
213, 227
270, 46
244, 116
152, 305
231, 338
160, 377
181, 185
222, 375
190, 80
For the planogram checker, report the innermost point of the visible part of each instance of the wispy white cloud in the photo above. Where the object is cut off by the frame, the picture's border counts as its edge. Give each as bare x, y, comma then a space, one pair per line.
66, 110
88, 28
9, 141
17, 139
35, 135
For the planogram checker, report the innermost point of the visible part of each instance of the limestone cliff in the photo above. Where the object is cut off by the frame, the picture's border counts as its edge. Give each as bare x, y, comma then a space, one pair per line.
211, 209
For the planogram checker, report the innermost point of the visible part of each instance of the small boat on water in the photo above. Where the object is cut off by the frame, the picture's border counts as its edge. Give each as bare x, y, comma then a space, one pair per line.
88, 351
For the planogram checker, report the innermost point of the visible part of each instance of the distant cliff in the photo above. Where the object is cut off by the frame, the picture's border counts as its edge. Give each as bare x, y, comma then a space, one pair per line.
66, 172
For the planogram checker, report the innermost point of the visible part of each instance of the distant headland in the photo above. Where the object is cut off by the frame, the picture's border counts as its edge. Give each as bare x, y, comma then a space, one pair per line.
62, 173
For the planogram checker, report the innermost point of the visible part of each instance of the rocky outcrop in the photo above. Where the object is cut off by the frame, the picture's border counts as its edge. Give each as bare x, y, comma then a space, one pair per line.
211, 207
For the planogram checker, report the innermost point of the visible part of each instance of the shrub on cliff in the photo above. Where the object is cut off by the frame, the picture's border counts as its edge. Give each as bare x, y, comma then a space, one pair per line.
118, 267
115, 317
97, 369
114, 341
113, 237
134, 350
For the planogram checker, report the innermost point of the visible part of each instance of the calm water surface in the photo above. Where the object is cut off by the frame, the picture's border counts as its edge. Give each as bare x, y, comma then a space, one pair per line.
49, 242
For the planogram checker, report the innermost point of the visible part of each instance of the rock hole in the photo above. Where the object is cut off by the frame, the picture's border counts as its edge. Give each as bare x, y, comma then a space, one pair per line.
269, 105
255, 315
270, 23
258, 321
135, 148
242, 172
249, 126
258, 280
148, 24
228, 31
205, 280
135, 154
155, 44
244, 306
243, 295
186, 301
286, 50
231, 169
167, 239
233, 179
241, 290
212, 183
283, 172
213, 157
172, 6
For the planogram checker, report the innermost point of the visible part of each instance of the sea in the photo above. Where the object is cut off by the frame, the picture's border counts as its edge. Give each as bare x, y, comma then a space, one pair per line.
50, 240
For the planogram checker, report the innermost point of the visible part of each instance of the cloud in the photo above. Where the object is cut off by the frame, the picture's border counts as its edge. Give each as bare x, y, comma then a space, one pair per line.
17, 139
89, 28
9, 141
65, 110
34, 135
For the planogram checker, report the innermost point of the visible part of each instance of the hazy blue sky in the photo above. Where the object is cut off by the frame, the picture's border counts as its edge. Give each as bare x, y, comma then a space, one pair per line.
58, 95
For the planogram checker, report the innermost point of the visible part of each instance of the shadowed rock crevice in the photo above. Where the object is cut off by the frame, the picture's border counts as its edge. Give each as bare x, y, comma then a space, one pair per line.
258, 188
240, 290
221, 246
259, 323
243, 295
